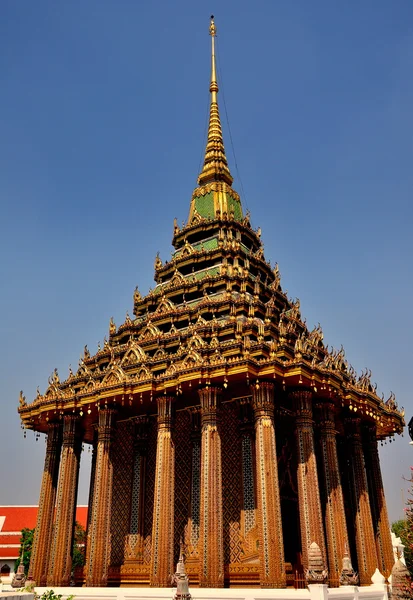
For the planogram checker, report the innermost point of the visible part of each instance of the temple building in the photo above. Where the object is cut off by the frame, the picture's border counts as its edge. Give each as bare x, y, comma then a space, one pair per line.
215, 416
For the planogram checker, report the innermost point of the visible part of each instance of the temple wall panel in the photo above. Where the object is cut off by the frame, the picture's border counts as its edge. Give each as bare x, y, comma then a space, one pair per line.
288, 486
149, 491
348, 496
231, 482
249, 502
182, 478
135, 540
193, 534
121, 490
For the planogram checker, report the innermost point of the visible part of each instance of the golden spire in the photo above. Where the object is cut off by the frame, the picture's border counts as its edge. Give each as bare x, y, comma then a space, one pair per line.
215, 162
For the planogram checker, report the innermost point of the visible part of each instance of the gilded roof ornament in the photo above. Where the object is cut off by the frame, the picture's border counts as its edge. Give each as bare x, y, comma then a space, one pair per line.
158, 262
112, 326
137, 295
54, 378
22, 399
215, 162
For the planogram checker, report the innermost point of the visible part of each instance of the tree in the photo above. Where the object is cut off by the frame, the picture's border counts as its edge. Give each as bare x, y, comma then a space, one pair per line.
26, 542
404, 527
79, 543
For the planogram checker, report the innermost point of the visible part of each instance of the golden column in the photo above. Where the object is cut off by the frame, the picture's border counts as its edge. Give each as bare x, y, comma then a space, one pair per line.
311, 518
381, 527
363, 525
211, 548
44, 524
91, 493
99, 527
162, 566
60, 563
272, 567
335, 518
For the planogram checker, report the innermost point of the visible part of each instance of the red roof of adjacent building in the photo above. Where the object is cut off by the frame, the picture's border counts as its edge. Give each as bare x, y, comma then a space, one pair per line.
15, 518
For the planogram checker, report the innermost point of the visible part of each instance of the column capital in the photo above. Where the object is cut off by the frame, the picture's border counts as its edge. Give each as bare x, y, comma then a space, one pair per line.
353, 428
165, 411
302, 402
70, 429
325, 416
263, 399
54, 436
209, 398
105, 421
370, 431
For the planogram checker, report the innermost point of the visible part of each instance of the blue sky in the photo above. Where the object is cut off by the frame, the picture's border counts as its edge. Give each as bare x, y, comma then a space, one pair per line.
103, 109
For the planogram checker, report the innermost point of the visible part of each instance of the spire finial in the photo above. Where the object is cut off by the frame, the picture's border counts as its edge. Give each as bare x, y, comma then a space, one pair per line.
215, 162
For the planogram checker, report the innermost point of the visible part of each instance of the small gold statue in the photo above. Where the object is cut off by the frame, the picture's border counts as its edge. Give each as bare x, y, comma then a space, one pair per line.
22, 399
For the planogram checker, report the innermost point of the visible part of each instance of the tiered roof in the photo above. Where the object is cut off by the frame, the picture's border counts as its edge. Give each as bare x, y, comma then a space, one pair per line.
218, 315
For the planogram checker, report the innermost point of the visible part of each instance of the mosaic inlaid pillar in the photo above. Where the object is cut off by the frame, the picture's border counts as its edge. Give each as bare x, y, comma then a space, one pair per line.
162, 566
335, 518
44, 524
311, 518
135, 541
381, 527
91, 494
211, 548
363, 525
60, 563
271, 548
99, 537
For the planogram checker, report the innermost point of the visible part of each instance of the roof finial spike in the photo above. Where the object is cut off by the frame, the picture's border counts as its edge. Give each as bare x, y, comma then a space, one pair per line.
213, 88
215, 162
